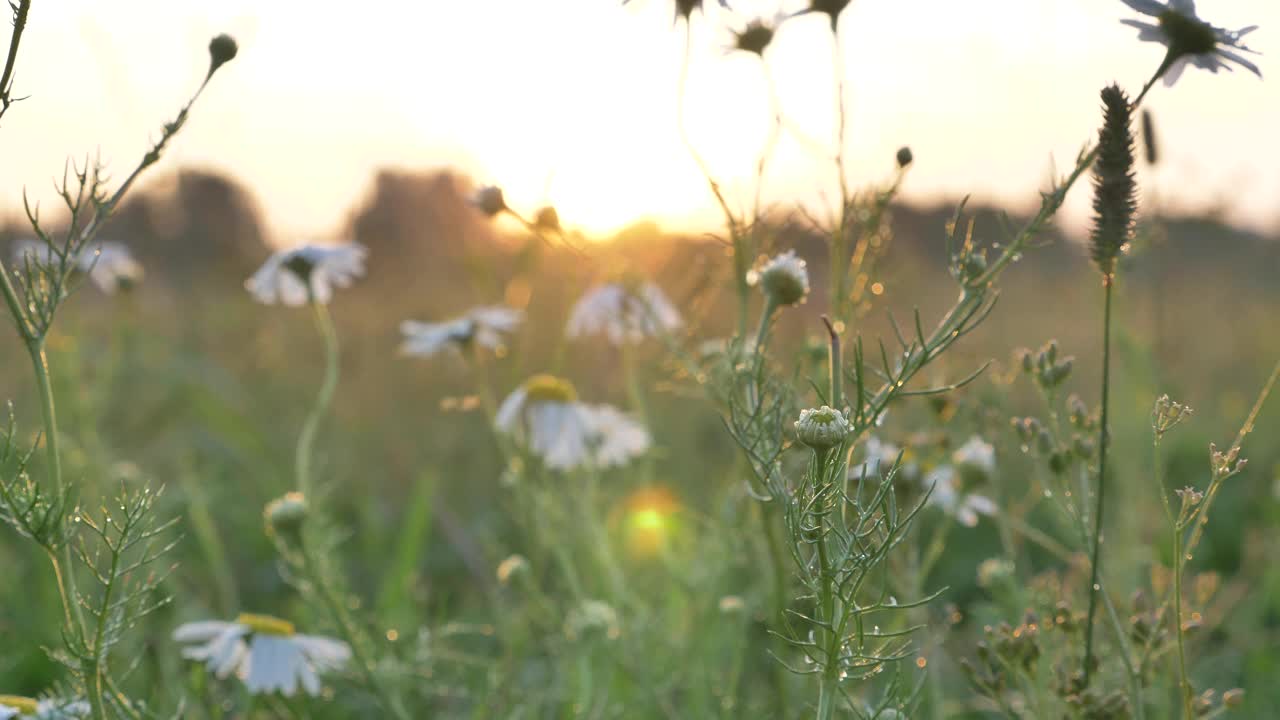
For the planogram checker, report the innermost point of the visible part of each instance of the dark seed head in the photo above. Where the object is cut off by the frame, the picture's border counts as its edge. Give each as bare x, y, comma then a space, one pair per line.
755, 37
222, 49
1114, 187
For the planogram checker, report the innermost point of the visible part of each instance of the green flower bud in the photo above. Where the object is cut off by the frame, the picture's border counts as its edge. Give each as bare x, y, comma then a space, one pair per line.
285, 516
822, 428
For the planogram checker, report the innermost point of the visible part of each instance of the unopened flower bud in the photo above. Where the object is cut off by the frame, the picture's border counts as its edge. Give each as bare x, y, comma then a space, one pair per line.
1059, 462
1057, 373
822, 428
286, 515
1233, 698
547, 220
783, 279
905, 157
1027, 360
1079, 411
222, 50
489, 200
1044, 442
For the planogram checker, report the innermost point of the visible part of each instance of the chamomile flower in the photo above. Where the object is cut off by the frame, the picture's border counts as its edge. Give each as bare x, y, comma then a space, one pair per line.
1190, 40
481, 326
109, 265
266, 653
307, 273
623, 312
977, 454
16, 706
784, 279
545, 416
949, 495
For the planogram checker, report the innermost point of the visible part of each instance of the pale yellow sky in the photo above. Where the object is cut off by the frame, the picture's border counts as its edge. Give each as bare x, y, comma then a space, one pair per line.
574, 101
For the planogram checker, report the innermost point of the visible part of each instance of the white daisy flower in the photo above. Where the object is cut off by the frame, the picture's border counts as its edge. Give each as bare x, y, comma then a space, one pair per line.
784, 279
16, 706
306, 273
265, 652
483, 326
110, 265
1190, 40
976, 454
544, 414
624, 313
950, 497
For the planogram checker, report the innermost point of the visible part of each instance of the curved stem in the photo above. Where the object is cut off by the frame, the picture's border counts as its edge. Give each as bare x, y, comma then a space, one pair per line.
1108, 284
306, 441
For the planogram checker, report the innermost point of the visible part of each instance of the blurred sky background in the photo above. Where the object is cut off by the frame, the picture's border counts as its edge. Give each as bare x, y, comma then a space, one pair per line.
573, 102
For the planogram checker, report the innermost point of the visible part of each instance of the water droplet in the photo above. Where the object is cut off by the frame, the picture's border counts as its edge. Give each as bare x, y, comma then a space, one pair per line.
1096, 587
1048, 493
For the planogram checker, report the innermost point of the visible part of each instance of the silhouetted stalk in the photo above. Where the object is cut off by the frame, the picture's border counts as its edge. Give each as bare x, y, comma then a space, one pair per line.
1099, 505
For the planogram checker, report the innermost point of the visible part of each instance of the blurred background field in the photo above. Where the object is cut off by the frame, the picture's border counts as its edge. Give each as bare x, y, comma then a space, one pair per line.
185, 382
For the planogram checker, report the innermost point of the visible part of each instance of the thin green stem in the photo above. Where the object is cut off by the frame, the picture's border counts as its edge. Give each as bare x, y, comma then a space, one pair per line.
306, 441
63, 568
1100, 505
346, 627
1184, 681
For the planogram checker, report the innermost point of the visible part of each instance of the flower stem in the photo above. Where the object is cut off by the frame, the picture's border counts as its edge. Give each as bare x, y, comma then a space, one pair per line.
306, 441
1184, 681
353, 637
1108, 283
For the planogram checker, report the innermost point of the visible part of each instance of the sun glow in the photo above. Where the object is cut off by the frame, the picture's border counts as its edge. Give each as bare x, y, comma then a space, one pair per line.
649, 520
575, 103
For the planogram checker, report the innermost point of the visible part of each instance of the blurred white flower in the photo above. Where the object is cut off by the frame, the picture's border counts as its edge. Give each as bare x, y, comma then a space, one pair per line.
976, 454
784, 279
306, 273
110, 265
544, 414
592, 616
264, 652
1190, 40
950, 497
482, 326
112, 268
623, 313
16, 706
878, 459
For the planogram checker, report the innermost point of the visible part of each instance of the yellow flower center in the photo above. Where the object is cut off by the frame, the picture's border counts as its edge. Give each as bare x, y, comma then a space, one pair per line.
824, 416
24, 705
549, 388
266, 624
